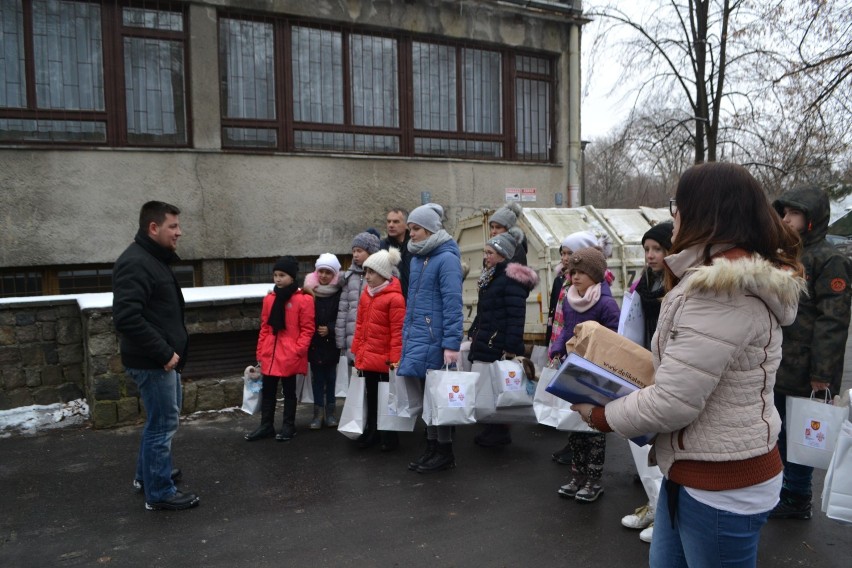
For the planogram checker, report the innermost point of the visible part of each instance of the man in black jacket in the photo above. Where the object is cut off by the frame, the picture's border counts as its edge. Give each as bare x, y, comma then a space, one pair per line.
398, 238
148, 313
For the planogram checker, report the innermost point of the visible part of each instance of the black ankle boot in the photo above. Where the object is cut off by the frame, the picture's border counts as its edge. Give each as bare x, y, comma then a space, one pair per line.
443, 459
288, 423
267, 418
389, 439
369, 438
792, 506
431, 448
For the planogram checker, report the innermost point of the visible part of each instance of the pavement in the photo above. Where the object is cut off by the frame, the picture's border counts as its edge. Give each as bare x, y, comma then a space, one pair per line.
317, 501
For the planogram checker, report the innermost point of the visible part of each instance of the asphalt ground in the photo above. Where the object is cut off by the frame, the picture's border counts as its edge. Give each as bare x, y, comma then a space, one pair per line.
66, 500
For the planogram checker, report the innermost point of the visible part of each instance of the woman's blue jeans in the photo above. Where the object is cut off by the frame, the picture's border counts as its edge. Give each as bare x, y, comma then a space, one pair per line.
702, 536
162, 396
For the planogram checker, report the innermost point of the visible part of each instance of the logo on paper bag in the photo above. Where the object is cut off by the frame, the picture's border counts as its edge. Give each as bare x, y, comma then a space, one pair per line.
456, 396
512, 374
815, 434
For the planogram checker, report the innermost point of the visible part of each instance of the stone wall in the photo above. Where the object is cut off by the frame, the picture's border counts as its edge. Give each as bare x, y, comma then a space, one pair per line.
41, 353
51, 351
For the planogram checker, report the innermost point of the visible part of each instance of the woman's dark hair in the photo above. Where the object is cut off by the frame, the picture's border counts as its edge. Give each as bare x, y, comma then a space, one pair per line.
722, 203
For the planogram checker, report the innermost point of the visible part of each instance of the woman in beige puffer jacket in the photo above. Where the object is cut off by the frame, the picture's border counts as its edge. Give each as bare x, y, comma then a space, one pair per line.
734, 281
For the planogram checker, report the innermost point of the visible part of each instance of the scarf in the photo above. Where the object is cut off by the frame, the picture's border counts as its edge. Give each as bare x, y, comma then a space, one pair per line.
583, 304
558, 314
651, 292
373, 291
326, 290
276, 315
486, 277
435, 240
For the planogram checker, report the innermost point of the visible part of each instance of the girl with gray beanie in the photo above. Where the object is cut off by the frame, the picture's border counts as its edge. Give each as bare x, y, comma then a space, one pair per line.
432, 332
352, 285
504, 220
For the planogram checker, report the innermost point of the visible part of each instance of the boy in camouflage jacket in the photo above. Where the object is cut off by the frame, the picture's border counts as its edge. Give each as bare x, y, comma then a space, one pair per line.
815, 344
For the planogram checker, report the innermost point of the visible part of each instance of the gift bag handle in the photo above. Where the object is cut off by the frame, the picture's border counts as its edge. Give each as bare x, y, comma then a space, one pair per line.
826, 398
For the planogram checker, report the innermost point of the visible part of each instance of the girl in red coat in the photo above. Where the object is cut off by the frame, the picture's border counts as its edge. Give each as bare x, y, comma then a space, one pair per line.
286, 329
378, 337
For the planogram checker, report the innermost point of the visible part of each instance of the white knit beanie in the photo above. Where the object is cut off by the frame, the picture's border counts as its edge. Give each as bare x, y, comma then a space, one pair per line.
329, 261
580, 240
428, 216
384, 261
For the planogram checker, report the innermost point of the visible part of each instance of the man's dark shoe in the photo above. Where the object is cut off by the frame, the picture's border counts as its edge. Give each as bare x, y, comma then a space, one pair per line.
368, 439
261, 432
792, 506
176, 502
138, 486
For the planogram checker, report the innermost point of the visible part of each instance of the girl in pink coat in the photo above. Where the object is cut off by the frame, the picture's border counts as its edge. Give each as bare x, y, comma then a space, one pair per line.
286, 329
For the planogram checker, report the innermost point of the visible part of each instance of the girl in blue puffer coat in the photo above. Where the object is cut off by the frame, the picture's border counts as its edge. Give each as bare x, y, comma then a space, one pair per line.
432, 332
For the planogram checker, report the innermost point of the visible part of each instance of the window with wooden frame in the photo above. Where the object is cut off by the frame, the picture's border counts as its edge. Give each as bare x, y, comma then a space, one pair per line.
100, 73
294, 86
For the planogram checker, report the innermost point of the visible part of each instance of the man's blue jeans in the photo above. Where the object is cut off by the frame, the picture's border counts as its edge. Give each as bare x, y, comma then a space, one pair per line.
162, 397
797, 477
703, 537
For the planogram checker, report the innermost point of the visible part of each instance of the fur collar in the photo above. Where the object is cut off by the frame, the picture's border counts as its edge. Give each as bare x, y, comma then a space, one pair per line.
523, 274
313, 286
753, 275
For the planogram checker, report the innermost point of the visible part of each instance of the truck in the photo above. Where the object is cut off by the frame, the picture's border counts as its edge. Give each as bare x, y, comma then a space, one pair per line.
544, 229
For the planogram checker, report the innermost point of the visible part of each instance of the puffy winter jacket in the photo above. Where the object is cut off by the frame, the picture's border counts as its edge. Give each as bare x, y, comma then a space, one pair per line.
815, 344
353, 284
286, 354
716, 351
433, 315
501, 313
605, 312
378, 335
148, 306
323, 349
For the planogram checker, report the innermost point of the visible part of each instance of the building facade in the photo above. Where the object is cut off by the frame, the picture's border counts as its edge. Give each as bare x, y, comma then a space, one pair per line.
277, 126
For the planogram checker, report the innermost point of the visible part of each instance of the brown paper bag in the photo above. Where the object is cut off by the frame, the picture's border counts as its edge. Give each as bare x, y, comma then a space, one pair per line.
613, 352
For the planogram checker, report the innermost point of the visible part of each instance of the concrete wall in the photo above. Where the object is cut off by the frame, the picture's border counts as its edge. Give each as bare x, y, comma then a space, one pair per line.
64, 206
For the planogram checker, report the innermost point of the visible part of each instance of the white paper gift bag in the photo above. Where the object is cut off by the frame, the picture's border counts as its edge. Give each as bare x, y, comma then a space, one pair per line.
354, 415
406, 395
631, 320
341, 385
388, 417
551, 410
837, 487
539, 357
252, 386
464, 351
305, 388
812, 428
451, 396
511, 386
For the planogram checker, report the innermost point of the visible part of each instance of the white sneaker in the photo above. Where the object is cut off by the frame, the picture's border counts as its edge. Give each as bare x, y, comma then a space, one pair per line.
640, 518
647, 534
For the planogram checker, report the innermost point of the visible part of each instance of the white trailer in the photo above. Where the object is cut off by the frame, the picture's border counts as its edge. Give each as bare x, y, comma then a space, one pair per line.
544, 229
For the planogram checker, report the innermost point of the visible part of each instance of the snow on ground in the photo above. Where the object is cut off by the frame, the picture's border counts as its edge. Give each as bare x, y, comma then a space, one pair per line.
35, 418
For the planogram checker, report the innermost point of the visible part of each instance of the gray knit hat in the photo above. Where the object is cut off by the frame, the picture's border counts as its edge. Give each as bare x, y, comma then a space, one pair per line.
504, 244
367, 241
428, 216
507, 215
384, 262
589, 260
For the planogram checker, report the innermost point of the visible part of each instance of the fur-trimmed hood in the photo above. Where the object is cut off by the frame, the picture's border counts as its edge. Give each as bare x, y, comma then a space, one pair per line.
313, 287
523, 274
778, 288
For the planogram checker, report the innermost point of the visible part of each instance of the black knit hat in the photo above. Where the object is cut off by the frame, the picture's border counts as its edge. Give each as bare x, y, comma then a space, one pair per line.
662, 233
287, 264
